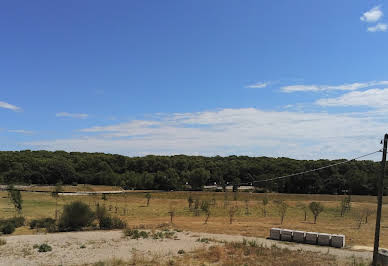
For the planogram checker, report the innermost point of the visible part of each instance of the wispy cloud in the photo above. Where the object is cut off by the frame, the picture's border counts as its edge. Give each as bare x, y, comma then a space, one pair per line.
378, 27
258, 85
71, 115
343, 87
373, 15
375, 98
21, 131
247, 131
10, 106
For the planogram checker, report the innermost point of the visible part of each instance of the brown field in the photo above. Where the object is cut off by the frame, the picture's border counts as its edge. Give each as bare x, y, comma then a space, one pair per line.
253, 223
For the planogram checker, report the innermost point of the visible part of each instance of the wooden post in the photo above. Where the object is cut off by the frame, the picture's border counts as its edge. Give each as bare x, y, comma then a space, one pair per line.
380, 191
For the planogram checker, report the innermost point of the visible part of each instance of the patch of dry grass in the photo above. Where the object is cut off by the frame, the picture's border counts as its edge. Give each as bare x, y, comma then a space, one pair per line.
132, 208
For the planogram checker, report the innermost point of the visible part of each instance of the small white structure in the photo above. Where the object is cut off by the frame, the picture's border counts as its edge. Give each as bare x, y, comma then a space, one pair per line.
338, 241
298, 236
274, 233
286, 235
324, 239
311, 238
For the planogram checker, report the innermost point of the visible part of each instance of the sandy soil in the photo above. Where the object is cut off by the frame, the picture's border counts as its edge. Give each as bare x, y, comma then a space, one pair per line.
105, 245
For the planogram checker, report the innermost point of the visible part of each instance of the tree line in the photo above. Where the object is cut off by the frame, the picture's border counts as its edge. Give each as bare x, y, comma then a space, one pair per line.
180, 172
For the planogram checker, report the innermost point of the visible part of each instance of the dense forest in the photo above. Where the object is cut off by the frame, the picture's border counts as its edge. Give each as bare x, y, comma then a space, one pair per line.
174, 172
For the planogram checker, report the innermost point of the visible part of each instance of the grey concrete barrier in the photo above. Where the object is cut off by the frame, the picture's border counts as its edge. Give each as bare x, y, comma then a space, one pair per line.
274, 233
286, 235
324, 239
299, 236
338, 241
382, 257
311, 238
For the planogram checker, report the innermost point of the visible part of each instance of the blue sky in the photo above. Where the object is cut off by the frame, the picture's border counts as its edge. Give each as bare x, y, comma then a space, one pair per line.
301, 79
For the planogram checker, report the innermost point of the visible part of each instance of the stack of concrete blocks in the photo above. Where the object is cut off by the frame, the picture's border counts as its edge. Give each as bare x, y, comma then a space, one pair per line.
274, 233
299, 236
338, 241
311, 238
286, 235
382, 257
324, 239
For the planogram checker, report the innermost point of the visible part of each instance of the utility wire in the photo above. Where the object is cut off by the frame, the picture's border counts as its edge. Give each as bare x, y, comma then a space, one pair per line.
316, 169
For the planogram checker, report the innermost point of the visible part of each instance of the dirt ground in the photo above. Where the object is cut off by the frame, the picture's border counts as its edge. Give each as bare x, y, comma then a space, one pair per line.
77, 248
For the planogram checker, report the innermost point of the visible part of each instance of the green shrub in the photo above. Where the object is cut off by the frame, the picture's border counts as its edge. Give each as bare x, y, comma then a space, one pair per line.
44, 248
105, 221
15, 221
136, 234
117, 223
7, 228
181, 251
75, 216
47, 223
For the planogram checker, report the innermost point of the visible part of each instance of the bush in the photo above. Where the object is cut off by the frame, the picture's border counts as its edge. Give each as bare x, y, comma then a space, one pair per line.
15, 221
3, 242
105, 221
75, 216
48, 223
7, 228
181, 251
44, 248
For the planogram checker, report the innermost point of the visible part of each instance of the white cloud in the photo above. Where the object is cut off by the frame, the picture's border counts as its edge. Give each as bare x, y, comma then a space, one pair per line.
71, 115
258, 85
21, 131
10, 106
245, 131
375, 98
378, 27
372, 15
344, 87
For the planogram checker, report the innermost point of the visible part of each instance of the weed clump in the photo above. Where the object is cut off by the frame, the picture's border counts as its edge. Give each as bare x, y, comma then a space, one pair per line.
3, 242
47, 223
43, 248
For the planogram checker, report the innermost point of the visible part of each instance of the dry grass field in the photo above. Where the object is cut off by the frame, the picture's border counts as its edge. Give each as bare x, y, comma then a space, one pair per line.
247, 221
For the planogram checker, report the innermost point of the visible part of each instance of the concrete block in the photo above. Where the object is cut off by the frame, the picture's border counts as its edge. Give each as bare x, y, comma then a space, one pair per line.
324, 239
298, 236
274, 233
286, 235
338, 241
382, 257
311, 238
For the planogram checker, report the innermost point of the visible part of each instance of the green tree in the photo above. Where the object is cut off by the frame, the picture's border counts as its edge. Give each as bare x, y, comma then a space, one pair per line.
55, 194
198, 178
16, 198
75, 216
316, 208
148, 197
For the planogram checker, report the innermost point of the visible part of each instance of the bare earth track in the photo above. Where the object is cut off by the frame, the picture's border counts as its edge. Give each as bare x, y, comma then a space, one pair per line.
104, 245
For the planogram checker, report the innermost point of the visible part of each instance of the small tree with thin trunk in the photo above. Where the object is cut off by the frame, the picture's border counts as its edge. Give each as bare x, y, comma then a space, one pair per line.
304, 208
148, 197
190, 201
265, 203
231, 213
367, 212
316, 208
282, 209
196, 207
247, 207
16, 198
55, 194
172, 214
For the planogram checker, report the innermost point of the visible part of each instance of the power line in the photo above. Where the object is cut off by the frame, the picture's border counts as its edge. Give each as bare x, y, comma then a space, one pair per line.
316, 169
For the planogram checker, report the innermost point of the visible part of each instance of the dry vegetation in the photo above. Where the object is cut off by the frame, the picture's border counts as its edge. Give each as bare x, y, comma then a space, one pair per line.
239, 253
132, 207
